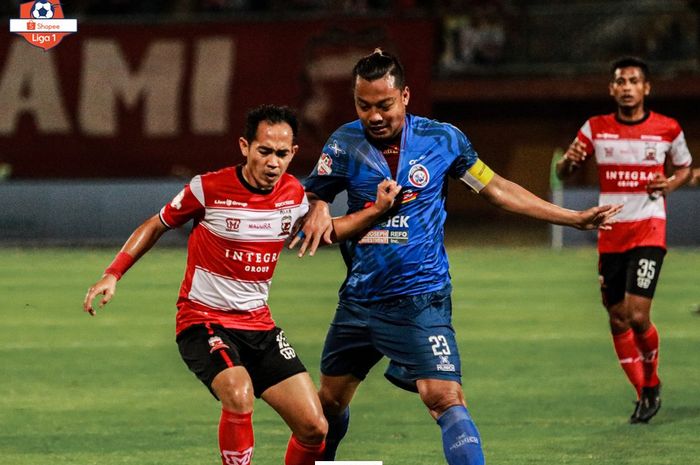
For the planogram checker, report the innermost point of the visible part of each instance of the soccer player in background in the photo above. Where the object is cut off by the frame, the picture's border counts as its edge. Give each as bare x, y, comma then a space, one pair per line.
630, 148
226, 336
395, 301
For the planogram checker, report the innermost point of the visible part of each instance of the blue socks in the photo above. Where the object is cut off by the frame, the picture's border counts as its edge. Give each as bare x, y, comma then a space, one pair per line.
337, 427
460, 438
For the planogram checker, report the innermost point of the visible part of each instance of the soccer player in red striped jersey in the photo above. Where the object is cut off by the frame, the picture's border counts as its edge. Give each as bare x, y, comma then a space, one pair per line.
631, 147
242, 216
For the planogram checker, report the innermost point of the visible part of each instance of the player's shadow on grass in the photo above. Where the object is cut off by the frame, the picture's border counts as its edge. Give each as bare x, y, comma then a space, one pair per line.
677, 413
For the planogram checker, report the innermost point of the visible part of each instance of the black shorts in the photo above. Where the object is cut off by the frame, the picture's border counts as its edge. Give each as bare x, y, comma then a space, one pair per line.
635, 271
266, 355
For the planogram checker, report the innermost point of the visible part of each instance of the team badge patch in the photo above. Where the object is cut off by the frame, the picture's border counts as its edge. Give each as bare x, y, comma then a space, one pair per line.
324, 165
419, 176
286, 226
216, 343
650, 152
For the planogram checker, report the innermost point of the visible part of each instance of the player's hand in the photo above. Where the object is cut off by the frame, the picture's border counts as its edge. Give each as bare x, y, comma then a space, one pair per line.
695, 177
598, 217
317, 225
106, 286
658, 186
387, 191
576, 154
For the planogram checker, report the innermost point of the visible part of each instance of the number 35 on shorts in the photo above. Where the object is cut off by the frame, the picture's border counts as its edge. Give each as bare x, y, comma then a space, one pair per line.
440, 345
645, 273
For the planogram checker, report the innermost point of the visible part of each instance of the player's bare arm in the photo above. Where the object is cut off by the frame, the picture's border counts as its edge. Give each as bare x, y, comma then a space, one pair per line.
140, 241
347, 226
663, 185
572, 160
515, 199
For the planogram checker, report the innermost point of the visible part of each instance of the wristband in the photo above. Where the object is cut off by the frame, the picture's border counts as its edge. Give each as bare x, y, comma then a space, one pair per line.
121, 263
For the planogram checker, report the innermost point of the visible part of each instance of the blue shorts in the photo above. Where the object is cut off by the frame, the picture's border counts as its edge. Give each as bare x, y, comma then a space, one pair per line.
414, 332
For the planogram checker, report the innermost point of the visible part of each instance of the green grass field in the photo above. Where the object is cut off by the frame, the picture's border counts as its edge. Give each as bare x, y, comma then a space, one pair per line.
539, 370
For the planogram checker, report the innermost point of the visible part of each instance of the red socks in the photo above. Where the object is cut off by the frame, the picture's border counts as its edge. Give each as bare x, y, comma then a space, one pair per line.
639, 357
648, 344
236, 437
630, 358
303, 454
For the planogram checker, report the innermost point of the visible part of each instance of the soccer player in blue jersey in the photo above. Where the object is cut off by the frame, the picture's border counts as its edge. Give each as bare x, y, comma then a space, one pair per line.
395, 300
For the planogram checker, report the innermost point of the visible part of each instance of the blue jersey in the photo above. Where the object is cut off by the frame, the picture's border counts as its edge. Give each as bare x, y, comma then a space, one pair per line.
404, 255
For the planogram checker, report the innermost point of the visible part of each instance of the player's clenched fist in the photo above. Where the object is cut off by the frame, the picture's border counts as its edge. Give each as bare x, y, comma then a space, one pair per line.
576, 153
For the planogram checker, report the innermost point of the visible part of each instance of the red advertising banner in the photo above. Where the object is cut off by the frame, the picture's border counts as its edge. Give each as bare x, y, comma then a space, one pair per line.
157, 100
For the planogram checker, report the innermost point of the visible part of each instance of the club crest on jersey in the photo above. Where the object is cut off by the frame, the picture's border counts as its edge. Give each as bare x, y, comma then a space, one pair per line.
216, 343
232, 224
286, 226
419, 176
650, 152
324, 165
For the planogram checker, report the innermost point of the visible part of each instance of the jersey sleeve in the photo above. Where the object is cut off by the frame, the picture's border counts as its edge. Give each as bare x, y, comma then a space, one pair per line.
467, 167
585, 136
465, 155
680, 155
186, 205
330, 175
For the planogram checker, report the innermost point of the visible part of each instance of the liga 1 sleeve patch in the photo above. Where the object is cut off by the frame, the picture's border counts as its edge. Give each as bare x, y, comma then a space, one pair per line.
478, 176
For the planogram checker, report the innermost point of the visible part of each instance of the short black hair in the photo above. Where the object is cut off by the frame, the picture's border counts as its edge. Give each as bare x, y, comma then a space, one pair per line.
273, 114
627, 62
376, 65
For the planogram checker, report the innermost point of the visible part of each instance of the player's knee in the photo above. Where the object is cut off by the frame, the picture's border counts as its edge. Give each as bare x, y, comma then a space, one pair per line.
438, 401
235, 397
640, 321
619, 319
331, 403
312, 431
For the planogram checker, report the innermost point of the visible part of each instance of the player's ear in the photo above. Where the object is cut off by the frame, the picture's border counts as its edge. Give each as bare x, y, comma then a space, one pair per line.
295, 149
647, 87
611, 91
405, 95
243, 144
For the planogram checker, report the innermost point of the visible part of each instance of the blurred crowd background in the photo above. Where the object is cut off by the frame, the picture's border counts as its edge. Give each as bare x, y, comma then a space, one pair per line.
477, 36
157, 89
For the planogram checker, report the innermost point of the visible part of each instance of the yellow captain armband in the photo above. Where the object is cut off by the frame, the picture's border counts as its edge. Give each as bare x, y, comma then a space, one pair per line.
478, 176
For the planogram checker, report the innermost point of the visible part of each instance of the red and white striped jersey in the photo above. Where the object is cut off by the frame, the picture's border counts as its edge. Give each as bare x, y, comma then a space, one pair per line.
628, 156
238, 234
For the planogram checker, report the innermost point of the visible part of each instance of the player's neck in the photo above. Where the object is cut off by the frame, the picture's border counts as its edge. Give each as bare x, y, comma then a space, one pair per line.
631, 115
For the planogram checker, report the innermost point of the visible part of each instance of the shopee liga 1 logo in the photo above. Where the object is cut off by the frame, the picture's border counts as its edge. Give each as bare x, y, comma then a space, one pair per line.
42, 23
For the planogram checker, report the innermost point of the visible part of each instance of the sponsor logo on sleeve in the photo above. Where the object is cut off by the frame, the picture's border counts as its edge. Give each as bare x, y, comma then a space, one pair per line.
324, 165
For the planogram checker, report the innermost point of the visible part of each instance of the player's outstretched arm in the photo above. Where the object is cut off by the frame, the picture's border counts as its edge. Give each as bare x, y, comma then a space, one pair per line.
514, 198
319, 224
140, 241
